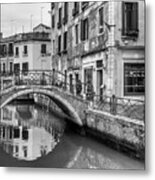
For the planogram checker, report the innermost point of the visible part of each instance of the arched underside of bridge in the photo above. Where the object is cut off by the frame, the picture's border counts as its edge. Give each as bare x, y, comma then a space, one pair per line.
61, 102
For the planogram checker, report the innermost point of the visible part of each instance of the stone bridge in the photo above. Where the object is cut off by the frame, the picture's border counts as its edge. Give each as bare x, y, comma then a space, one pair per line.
72, 105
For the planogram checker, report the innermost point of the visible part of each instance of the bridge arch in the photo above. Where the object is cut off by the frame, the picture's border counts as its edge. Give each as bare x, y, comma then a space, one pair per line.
60, 101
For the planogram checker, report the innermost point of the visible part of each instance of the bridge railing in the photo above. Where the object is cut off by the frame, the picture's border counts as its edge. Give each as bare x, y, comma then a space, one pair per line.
45, 78
132, 108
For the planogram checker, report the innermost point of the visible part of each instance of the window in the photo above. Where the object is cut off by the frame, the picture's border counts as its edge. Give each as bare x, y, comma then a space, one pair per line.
53, 46
25, 50
75, 9
25, 134
65, 40
101, 20
10, 49
3, 67
16, 68
59, 44
25, 67
43, 49
17, 51
84, 5
84, 29
76, 34
60, 15
88, 76
53, 21
65, 12
134, 79
16, 133
52, 5
130, 19
3, 50
11, 67
25, 151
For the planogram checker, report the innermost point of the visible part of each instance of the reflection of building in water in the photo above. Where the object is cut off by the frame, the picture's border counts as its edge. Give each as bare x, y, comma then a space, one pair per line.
27, 133
25, 112
8, 116
26, 144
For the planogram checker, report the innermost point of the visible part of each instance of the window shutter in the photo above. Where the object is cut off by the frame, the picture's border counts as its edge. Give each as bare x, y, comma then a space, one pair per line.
135, 17
82, 30
123, 18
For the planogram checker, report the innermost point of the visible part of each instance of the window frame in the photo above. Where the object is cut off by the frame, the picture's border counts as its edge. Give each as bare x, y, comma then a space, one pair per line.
127, 93
129, 18
43, 48
101, 20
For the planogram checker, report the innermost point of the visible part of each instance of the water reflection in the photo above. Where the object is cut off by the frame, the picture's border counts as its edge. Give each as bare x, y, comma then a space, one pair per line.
27, 133
35, 138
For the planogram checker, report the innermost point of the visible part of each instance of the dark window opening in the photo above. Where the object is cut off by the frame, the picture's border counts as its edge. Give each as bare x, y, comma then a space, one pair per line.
17, 51
25, 151
76, 34
25, 134
134, 79
3, 50
11, 67
25, 50
59, 44
4, 68
52, 5
75, 9
65, 40
25, 67
65, 13
130, 19
84, 5
84, 29
10, 49
43, 49
16, 133
60, 16
53, 21
101, 20
16, 68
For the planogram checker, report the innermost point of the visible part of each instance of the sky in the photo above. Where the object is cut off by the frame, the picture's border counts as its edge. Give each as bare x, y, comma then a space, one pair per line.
18, 17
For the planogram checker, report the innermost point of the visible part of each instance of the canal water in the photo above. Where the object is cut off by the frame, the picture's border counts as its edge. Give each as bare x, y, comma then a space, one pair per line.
30, 136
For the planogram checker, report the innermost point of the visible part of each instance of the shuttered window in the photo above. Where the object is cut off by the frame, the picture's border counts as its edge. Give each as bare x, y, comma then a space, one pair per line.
130, 18
84, 29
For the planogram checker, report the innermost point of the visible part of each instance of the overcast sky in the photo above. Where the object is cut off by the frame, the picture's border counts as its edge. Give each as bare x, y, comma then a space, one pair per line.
17, 17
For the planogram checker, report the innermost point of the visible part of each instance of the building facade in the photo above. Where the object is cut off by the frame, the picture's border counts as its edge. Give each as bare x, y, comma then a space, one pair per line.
26, 51
6, 55
101, 43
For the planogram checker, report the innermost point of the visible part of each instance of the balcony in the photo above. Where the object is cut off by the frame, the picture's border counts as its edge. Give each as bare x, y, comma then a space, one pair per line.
41, 36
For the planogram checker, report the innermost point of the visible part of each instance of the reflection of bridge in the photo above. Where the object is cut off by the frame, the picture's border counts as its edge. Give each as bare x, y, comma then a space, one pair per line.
50, 83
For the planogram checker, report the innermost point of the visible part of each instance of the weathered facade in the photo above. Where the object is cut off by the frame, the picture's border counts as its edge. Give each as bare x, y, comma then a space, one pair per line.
26, 51
6, 54
105, 45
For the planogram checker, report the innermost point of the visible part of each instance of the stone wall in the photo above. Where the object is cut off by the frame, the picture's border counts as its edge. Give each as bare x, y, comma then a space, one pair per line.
120, 132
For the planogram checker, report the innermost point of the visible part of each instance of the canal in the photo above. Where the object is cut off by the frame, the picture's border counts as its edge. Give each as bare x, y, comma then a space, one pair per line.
30, 136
